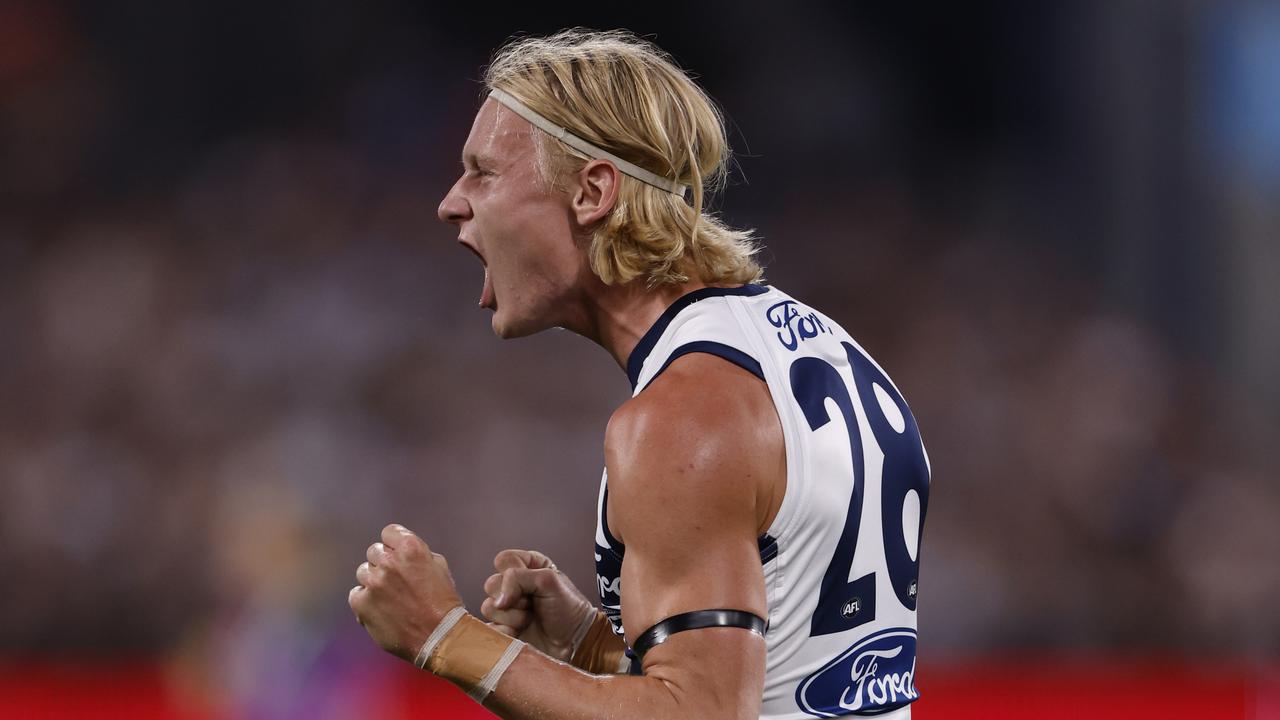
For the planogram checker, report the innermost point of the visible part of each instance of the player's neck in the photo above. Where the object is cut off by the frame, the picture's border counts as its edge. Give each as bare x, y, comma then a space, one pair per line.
621, 315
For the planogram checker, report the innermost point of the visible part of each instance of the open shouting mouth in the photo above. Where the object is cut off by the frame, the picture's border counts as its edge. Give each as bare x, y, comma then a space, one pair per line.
487, 298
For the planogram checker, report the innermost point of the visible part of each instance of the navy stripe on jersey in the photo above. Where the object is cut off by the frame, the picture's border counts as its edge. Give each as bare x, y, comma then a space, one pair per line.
641, 353
768, 548
732, 354
615, 545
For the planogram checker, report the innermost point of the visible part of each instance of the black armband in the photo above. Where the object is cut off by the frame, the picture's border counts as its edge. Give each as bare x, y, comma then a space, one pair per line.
697, 620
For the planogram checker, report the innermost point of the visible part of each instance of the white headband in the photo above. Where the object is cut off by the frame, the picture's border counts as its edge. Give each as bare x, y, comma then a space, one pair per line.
585, 147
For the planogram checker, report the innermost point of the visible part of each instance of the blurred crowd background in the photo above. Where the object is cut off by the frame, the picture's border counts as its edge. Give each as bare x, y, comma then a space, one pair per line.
237, 342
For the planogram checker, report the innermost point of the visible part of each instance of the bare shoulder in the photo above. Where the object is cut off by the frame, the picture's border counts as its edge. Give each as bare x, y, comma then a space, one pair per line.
703, 435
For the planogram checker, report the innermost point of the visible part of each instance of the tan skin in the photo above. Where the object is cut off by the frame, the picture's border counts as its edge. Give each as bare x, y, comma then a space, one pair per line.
696, 470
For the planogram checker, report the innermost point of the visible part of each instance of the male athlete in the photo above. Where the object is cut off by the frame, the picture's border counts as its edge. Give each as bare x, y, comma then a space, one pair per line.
760, 514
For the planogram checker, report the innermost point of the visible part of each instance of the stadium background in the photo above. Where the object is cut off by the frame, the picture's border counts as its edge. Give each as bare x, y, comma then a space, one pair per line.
236, 341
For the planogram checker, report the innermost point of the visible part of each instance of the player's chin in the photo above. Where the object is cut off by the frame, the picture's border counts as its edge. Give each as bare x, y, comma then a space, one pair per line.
506, 327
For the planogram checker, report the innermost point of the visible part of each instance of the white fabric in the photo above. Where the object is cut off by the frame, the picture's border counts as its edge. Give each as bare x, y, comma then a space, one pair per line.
577, 143
819, 486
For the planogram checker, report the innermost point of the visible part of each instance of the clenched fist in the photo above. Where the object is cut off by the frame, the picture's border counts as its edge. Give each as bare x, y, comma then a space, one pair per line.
404, 591
528, 598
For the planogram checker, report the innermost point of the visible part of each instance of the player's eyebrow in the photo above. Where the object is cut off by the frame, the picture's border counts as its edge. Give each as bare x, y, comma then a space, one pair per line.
470, 160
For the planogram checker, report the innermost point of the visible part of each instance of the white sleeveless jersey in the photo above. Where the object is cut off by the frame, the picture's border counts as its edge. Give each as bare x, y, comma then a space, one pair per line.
841, 558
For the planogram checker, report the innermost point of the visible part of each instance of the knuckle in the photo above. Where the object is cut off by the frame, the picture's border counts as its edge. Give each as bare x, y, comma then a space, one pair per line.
544, 579
504, 560
514, 558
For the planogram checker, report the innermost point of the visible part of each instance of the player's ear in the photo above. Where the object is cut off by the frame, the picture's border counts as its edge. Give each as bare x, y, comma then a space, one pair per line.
595, 192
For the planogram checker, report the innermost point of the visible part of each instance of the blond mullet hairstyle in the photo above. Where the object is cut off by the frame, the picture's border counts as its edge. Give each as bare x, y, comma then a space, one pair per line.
626, 95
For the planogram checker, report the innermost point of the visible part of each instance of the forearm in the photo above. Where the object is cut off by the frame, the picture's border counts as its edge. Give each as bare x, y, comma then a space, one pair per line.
536, 686
406, 601
715, 677
539, 687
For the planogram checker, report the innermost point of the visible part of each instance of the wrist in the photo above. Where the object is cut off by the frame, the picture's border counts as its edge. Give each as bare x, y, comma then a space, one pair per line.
585, 622
600, 652
468, 653
442, 628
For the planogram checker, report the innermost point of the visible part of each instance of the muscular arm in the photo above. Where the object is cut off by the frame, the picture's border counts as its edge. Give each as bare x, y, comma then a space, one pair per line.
695, 464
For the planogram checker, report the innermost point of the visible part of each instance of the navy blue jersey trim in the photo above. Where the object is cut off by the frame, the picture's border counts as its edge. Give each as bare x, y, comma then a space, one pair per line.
641, 352
768, 548
732, 354
615, 545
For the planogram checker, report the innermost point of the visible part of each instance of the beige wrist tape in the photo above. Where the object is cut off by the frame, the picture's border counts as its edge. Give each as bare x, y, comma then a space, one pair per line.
600, 652
584, 626
468, 653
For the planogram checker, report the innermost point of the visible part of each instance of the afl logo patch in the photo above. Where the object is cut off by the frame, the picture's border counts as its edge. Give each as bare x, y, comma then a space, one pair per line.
874, 676
851, 607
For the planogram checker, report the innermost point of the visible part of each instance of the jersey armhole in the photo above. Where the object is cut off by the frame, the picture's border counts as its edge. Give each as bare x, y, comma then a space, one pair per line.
725, 352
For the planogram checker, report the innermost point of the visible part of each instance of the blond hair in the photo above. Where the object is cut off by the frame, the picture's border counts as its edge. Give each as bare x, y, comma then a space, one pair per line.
626, 95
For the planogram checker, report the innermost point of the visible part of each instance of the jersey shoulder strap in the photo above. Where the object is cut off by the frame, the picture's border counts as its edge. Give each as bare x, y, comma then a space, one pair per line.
704, 321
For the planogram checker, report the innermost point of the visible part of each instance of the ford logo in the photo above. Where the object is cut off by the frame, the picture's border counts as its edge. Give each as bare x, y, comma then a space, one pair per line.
874, 676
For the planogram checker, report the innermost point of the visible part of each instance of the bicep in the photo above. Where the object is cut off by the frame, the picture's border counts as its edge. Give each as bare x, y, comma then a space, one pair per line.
683, 564
684, 507
722, 667
682, 501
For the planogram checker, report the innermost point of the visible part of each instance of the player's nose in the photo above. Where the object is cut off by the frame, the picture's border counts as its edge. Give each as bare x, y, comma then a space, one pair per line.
454, 208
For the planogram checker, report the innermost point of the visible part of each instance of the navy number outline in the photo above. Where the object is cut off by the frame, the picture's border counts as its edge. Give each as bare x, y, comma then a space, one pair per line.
843, 605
